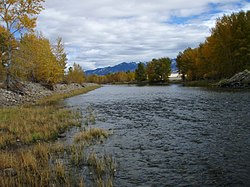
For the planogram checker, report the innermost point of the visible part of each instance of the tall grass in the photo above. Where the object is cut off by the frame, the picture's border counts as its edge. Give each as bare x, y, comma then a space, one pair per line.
26, 157
25, 125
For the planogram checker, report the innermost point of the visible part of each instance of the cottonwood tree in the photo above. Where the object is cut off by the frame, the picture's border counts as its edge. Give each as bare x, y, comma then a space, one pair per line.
140, 73
35, 61
75, 74
17, 16
3, 48
224, 53
60, 54
158, 70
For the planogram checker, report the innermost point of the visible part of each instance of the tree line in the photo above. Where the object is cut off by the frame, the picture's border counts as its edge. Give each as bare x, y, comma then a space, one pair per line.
224, 53
157, 70
119, 77
28, 55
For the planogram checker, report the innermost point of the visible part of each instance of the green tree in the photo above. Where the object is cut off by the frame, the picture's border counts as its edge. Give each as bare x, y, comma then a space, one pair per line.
159, 70
140, 73
17, 16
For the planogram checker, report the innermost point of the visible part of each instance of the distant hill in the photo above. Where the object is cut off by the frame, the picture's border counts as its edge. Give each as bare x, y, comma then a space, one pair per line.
174, 68
123, 67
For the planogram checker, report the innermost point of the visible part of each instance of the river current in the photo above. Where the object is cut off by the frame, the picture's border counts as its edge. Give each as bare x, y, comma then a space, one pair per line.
173, 135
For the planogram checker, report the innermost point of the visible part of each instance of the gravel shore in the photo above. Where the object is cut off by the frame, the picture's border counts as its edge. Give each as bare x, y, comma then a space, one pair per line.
34, 92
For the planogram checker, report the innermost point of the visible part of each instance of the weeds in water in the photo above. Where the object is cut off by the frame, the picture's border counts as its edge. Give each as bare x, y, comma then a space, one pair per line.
60, 171
77, 157
90, 135
42, 165
90, 116
103, 169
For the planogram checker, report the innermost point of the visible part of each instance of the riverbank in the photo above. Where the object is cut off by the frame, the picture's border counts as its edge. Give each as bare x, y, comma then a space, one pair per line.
35, 93
32, 148
27, 124
199, 83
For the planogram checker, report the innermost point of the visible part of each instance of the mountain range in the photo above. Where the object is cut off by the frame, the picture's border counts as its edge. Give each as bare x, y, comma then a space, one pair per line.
123, 67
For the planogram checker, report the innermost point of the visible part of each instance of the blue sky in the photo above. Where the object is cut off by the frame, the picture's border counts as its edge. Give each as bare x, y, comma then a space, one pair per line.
107, 32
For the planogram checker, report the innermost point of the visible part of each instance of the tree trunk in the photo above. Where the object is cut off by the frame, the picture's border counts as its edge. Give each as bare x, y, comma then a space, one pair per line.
8, 74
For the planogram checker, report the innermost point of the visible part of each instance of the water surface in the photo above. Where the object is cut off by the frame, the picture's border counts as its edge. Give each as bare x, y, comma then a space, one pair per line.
173, 135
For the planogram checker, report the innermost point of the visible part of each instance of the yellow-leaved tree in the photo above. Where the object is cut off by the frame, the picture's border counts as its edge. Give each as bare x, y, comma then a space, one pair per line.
17, 16
75, 74
61, 56
35, 61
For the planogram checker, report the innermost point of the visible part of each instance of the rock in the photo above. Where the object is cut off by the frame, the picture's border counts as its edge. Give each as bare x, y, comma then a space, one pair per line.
62, 135
33, 92
240, 80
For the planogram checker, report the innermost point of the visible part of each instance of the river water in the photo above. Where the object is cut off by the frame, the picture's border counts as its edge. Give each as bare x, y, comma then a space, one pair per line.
173, 135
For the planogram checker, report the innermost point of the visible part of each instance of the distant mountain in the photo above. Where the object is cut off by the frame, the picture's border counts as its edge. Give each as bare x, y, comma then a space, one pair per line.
123, 67
174, 68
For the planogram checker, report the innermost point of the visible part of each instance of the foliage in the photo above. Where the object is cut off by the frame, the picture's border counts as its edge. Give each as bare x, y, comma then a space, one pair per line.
17, 16
35, 61
158, 70
140, 73
223, 54
119, 77
75, 74
4, 35
61, 56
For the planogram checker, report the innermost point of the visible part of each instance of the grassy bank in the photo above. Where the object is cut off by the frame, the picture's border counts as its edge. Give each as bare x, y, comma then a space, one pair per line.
30, 157
29, 124
26, 125
55, 97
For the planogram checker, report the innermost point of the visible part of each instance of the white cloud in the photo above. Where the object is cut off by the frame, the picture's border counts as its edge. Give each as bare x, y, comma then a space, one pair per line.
107, 32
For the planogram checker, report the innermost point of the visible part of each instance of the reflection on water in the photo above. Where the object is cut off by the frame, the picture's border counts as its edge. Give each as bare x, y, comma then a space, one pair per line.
174, 136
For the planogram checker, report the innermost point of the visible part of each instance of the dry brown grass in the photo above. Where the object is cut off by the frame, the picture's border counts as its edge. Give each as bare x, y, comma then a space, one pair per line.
90, 135
27, 160
31, 124
46, 164
103, 169
34, 166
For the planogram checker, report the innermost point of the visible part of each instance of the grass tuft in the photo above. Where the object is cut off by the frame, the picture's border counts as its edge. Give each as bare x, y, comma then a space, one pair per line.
90, 135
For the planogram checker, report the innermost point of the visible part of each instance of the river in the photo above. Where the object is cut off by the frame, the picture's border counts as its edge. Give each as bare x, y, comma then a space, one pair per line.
173, 135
